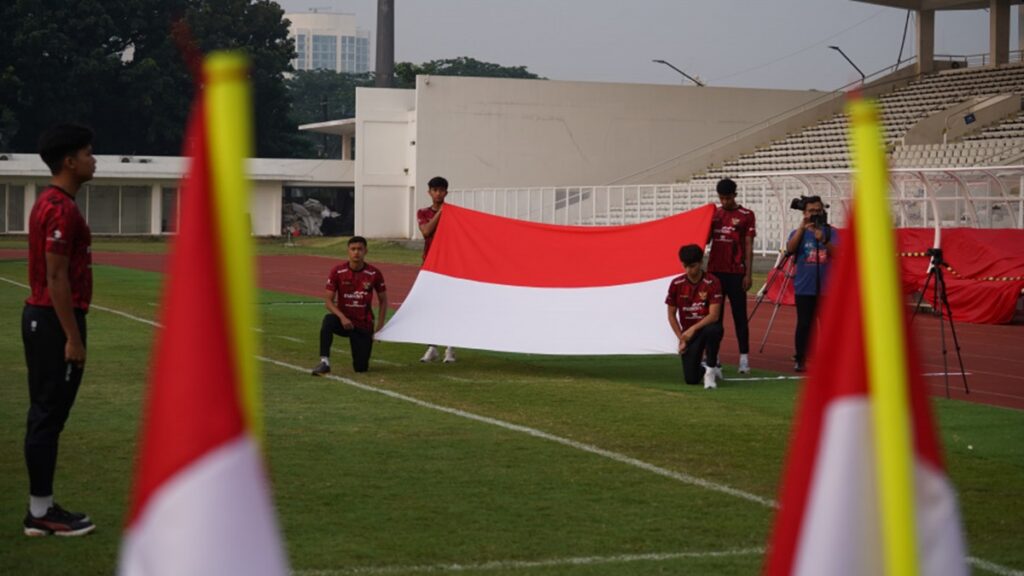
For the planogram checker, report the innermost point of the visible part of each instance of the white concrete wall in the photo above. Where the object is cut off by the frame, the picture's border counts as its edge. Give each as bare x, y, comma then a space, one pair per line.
268, 176
385, 162
483, 132
265, 208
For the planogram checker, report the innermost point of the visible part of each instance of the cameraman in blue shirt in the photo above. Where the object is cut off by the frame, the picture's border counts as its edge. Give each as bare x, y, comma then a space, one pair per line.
812, 244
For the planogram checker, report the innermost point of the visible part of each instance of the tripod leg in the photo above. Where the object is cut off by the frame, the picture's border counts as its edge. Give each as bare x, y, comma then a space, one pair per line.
775, 311
924, 290
763, 292
952, 330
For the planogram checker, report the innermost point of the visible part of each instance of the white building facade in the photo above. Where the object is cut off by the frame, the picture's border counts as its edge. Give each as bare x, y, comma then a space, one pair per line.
139, 195
328, 41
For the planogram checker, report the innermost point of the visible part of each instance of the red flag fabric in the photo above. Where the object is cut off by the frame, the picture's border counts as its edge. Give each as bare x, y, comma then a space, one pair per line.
501, 284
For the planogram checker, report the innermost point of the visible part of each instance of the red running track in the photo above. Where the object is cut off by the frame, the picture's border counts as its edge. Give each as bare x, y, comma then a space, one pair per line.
992, 354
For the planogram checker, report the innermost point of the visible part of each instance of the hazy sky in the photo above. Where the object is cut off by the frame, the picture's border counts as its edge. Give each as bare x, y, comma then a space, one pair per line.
750, 43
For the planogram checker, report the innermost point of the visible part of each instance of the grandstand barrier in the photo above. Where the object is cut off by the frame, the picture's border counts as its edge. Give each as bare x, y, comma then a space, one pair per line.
985, 198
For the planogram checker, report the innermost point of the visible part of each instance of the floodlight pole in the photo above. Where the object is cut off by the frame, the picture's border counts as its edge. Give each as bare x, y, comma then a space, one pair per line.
685, 75
863, 78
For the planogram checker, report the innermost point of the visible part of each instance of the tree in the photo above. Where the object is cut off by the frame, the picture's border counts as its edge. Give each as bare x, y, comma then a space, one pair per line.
319, 95
406, 72
114, 64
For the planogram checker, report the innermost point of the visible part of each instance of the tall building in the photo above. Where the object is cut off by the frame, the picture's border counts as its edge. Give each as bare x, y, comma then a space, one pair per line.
328, 41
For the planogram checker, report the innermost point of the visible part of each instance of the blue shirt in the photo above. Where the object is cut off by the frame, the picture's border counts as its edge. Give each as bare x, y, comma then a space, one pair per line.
812, 260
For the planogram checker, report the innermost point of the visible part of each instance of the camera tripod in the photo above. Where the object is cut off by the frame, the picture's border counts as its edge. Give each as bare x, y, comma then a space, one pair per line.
940, 301
783, 266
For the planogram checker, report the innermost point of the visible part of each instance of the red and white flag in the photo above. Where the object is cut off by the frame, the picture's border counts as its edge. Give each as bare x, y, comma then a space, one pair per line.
201, 502
496, 283
864, 490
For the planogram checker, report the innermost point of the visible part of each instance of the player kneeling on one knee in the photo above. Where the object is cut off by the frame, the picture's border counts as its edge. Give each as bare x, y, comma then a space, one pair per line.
350, 288
694, 306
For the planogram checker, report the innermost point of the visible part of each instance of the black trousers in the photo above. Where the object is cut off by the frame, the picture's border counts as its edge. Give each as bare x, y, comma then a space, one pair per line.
360, 341
706, 340
732, 288
52, 387
806, 307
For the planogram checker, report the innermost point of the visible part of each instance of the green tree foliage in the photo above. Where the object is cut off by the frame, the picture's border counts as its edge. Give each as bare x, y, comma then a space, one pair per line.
406, 72
66, 61
319, 95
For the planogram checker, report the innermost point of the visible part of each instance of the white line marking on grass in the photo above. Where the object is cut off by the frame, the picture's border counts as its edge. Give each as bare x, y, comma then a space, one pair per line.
125, 314
288, 338
457, 379
9, 281
760, 379
621, 458
945, 374
993, 567
686, 478
524, 564
372, 360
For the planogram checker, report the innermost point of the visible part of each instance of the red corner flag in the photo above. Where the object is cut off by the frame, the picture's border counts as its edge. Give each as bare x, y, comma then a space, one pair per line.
864, 490
201, 502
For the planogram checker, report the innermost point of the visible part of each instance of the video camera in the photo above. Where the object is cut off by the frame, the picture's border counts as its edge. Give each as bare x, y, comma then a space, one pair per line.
819, 220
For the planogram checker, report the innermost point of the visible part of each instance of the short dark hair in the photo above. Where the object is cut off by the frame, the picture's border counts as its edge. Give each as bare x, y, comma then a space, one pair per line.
812, 200
357, 240
726, 187
438, 182
61, 141
690, 254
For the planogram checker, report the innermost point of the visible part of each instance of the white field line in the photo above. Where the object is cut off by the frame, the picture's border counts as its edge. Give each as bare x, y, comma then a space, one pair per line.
766, 378
372, 360
621, 458
525, 564
992, 567
979, 563
761, 379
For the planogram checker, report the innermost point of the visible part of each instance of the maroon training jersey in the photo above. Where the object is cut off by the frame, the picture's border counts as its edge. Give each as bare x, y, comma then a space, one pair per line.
56, 226
729, 232
424, 215
693, 300
354, 292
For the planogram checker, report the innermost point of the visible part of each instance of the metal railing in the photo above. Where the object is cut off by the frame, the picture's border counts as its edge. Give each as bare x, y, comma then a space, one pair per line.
975, 60
987, 197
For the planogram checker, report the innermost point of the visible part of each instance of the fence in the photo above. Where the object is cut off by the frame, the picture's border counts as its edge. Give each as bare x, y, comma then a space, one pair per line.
954, 197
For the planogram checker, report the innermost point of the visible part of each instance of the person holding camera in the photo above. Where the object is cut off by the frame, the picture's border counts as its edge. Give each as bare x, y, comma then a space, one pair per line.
812, 244
731, 260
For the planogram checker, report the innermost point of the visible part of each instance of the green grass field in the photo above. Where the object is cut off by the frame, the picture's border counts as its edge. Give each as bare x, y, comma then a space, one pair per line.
367, 483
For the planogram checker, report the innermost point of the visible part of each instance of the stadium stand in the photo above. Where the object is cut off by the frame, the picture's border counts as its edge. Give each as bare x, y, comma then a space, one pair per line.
823, 146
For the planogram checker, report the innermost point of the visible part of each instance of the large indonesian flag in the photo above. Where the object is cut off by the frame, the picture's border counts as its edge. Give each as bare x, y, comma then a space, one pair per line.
865, 491
495, 283
201, 502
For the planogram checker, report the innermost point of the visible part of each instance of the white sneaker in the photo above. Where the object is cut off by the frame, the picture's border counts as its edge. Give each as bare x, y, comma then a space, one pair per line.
744, 364
430, 355
709, 378
718, 373
449, 355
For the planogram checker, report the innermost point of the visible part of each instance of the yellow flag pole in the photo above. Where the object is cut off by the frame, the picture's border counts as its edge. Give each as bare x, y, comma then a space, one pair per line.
229, 136
884, 340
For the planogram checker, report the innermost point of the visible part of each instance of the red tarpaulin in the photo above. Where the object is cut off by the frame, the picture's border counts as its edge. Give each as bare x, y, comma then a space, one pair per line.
985, 275
984, 279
